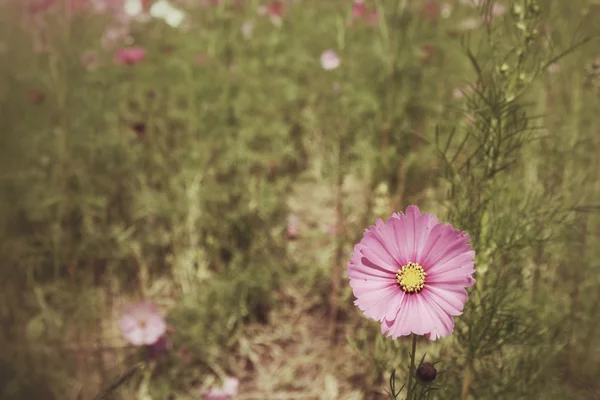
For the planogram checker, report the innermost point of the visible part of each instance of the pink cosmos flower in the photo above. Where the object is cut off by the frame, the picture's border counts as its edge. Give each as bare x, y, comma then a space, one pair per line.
130, 55
360, 12
292, 228
358, 9
410, 273
142, 324
37, 6
330, 60
274, 10
229, 389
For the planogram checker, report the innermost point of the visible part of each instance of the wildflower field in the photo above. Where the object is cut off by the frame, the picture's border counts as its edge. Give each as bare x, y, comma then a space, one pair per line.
299, 199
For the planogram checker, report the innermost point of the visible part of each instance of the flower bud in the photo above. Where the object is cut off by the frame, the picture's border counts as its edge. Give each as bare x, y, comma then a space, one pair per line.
426, 372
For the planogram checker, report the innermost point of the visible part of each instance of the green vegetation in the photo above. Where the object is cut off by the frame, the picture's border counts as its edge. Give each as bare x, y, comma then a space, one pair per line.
174, 179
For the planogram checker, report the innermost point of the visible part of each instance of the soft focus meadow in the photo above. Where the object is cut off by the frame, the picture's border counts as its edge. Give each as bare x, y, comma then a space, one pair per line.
182, 185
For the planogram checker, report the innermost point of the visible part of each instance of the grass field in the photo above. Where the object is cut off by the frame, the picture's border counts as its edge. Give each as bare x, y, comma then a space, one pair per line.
220, 160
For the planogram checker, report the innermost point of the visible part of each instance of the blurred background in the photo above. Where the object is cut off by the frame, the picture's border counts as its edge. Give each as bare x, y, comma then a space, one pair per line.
218, 159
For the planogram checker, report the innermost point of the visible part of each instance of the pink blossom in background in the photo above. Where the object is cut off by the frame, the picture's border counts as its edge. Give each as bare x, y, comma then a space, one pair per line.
130, 55
292, 228
359, 9
142, 324
274, 10
360, 12
38, 6
410, 274
227, 391
113, 35
109, 6
330, 60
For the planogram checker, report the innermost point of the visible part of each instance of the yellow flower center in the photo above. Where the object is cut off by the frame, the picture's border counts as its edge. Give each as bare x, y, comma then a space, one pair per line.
411, 277
142, 323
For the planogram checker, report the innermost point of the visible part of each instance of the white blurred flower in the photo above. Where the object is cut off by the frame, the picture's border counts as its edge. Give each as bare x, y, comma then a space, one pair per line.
162, 9
469, 24
330, 60
247, 29
446, 10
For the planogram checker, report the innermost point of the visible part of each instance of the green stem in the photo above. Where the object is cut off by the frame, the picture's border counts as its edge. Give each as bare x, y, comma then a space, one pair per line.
410, 394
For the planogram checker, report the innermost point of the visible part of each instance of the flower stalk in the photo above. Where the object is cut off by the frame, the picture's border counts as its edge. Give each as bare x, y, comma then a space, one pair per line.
410, 395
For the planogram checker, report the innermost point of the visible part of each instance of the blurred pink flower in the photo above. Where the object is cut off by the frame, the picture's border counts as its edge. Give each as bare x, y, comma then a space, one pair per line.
410, 274
274, 10
113, 35
292, 228
360, 12
109, 6
37, 6
330, 60
142, 324
226, 392
358, 9
130, 55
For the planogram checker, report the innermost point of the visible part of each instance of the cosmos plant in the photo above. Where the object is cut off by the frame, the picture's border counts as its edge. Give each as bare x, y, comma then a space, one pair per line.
410, 274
